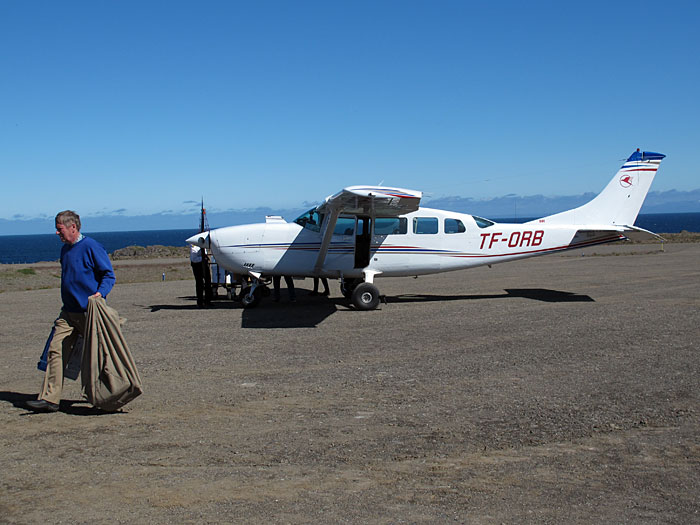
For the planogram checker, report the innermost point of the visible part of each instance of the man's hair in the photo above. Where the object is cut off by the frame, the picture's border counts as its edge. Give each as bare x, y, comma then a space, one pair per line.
67, 218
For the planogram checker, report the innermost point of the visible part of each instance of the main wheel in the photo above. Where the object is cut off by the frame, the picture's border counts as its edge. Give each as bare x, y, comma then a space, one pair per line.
249, 301
365, 296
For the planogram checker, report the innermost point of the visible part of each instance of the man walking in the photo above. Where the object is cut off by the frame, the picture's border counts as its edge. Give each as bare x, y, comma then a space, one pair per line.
86, 271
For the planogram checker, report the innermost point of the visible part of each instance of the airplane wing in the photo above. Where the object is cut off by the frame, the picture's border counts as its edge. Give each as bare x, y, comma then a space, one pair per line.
373, 201
370, 201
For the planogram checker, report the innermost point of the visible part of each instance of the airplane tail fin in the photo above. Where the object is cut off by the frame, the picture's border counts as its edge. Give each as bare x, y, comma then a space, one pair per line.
619, 203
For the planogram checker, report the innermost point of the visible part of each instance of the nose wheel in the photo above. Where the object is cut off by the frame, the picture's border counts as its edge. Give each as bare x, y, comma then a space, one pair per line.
252, 295
250, 298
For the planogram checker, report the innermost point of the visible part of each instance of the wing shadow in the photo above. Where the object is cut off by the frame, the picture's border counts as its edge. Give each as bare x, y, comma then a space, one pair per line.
288, 315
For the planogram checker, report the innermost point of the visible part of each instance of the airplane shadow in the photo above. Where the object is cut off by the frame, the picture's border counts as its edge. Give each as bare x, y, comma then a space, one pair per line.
537, 294
307, 313
75, 407
290, 315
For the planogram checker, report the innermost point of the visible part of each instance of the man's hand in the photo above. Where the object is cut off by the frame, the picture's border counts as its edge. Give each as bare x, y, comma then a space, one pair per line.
97, 294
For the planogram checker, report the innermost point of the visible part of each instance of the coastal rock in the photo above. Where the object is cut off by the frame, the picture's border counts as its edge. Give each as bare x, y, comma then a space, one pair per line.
149, 252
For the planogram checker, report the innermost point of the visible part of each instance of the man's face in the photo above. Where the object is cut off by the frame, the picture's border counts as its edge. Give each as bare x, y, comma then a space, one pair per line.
67, 233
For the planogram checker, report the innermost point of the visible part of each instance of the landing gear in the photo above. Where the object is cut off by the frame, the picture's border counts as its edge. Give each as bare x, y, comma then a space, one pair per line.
252, 295
347, 286
365, 296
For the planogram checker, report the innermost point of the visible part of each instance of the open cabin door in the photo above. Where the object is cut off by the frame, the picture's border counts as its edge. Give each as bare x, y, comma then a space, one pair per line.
363, 202
363, 241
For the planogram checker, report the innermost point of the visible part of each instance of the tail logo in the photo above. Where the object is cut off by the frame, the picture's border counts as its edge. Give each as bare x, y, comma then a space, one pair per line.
626, 181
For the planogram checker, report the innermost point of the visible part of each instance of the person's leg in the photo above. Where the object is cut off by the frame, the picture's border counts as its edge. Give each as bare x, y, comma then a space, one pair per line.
207, 282
325, 286
290, 288
275, 288
66, 330
198, 282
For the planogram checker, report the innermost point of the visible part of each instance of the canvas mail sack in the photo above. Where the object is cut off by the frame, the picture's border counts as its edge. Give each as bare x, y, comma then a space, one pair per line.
109, 376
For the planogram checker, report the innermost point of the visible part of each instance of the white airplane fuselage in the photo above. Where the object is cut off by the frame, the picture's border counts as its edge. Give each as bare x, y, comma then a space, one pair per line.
366, 231
279, 248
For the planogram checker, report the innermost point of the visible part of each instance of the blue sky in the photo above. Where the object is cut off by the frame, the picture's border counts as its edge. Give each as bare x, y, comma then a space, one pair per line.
140, 107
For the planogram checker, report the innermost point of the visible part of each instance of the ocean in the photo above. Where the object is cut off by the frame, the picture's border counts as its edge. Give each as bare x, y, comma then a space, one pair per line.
47, 247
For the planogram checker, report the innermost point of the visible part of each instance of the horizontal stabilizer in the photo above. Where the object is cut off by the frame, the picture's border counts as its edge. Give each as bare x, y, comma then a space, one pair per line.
633, 233
598, 234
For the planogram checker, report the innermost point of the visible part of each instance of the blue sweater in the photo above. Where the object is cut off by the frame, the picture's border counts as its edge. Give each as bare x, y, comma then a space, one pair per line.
85, 270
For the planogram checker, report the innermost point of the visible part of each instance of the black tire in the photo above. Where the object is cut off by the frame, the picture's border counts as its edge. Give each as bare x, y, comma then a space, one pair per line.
365, 296
250, 302
347, 286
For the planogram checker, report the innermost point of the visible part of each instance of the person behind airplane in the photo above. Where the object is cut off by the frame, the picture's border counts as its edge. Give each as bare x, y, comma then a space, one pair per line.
325, 286
86, 271
202, 276
276, 288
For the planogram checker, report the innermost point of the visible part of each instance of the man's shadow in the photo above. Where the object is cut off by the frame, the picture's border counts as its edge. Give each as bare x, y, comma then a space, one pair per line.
74, 407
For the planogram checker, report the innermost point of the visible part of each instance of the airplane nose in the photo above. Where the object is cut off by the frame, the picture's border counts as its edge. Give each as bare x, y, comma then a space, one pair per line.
201, 240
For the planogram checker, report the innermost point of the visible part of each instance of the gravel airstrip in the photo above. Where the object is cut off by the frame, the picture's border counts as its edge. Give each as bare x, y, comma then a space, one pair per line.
561, 389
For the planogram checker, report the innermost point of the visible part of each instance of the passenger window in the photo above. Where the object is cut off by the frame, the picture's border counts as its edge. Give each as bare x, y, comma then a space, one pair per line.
344, 226
390, 225
425, 225
454, 226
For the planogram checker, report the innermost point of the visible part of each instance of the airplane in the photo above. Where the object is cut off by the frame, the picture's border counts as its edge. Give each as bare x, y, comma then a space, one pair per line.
363, 232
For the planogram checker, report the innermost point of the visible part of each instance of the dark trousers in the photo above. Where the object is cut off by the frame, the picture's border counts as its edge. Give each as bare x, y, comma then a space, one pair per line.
202, 282
324, 281
276, 287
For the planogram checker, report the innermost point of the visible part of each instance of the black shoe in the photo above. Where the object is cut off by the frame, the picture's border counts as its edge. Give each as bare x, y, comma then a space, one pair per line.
41, 405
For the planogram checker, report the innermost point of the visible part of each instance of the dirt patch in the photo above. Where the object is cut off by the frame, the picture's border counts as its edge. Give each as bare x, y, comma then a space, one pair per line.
552, 390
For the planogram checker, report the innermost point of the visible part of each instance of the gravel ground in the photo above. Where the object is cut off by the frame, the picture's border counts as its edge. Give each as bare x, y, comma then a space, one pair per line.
554, 390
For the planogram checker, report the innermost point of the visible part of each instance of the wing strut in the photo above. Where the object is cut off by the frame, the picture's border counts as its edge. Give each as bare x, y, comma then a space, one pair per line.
328, 229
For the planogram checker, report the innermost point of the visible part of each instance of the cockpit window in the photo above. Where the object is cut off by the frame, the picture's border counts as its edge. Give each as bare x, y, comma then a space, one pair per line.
482, 223
311, 220
390, 225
